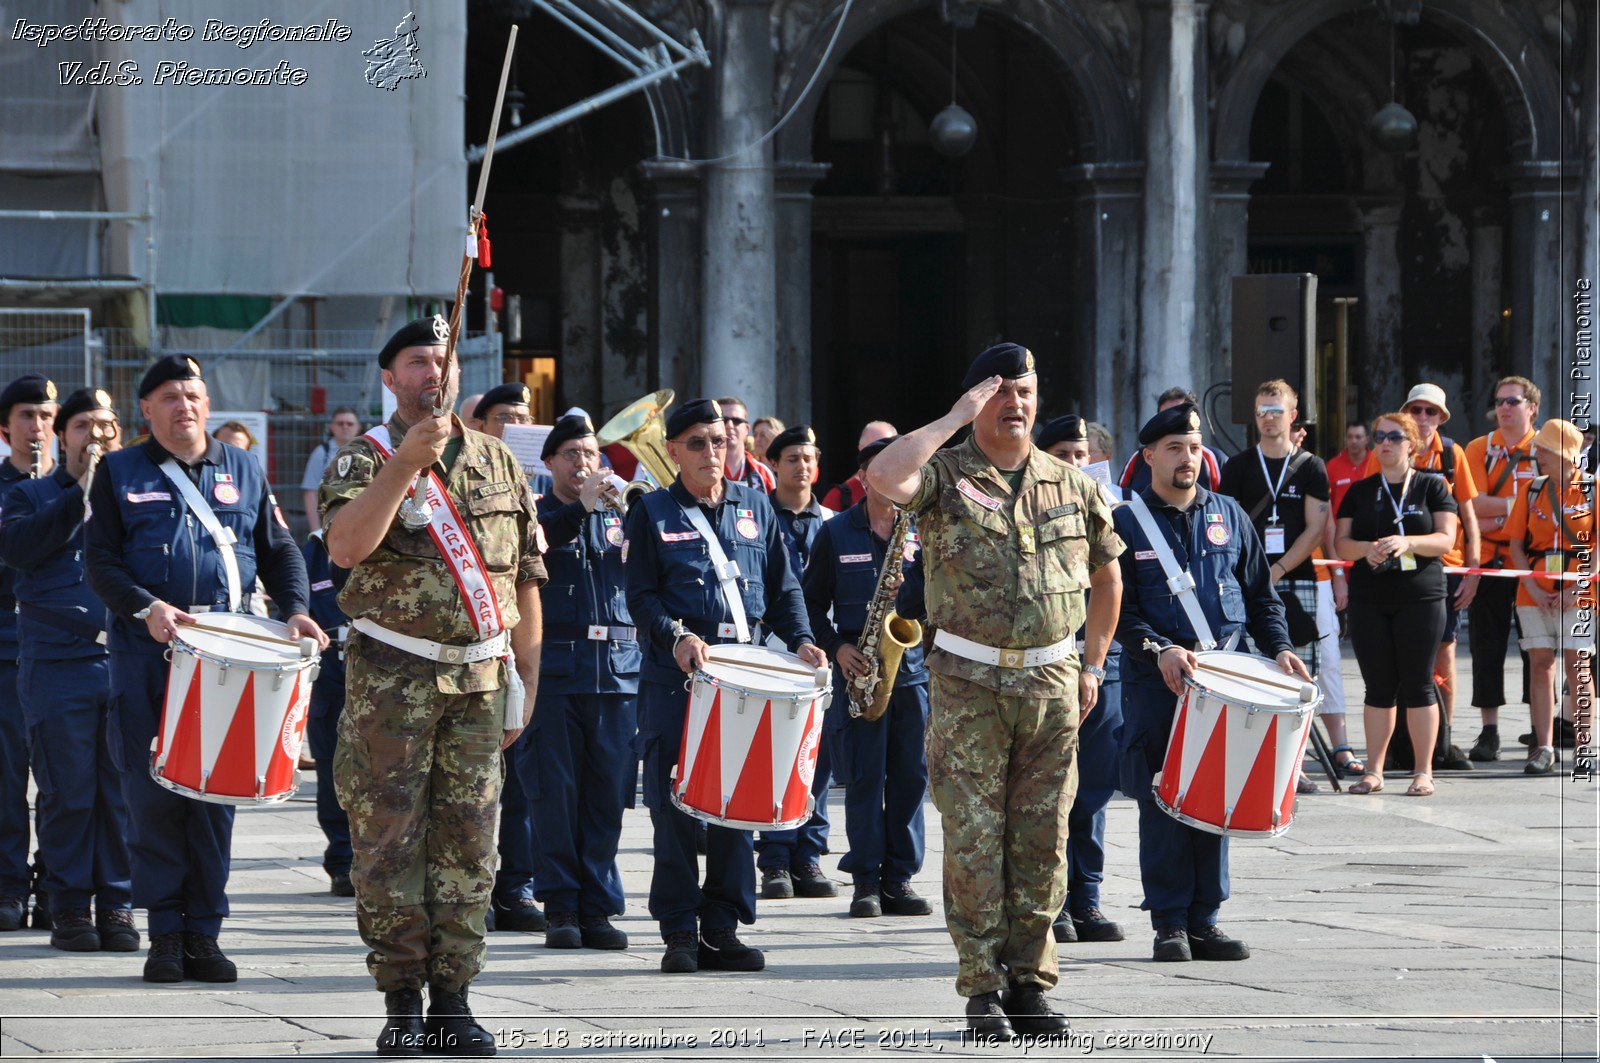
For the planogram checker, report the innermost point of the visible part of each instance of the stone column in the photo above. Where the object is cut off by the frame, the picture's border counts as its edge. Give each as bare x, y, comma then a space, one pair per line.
1377, 364
1107, 227
1488, 300
1230, 258
581, 298
1541, 265
673, 236
739, 305
793, 182
1172, 340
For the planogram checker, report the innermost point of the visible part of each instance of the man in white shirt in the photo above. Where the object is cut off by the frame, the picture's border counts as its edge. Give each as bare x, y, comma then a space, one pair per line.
343, 426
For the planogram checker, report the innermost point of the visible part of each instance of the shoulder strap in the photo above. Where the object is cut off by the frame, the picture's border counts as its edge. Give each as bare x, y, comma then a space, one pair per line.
727, 571
223, 537
1180, 581
1447, 459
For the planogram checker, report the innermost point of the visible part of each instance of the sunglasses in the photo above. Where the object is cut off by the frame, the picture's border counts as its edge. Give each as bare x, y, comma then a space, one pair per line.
700, 444
1510, 400
737, 422
1423, 411
1388, 437
1270, 411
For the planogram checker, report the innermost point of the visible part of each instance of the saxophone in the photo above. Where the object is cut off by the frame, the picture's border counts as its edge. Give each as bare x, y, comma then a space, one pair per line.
887, 635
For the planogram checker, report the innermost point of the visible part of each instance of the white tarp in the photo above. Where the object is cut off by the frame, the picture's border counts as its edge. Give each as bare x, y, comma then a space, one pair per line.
327, 187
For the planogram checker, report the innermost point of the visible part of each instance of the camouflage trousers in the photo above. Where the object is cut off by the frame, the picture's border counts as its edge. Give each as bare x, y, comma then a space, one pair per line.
419, 774
1003, 772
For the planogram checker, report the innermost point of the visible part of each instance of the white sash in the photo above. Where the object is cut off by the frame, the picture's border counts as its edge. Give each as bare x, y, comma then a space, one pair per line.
727, 571
1180, 581
223, 537
449, 533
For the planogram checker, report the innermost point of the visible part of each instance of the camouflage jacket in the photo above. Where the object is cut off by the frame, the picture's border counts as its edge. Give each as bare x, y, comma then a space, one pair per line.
1009, 570
405, 586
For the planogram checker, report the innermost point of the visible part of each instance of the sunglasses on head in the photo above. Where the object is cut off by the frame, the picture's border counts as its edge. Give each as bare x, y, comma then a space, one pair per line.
1388, 437
1510, 400
699, 444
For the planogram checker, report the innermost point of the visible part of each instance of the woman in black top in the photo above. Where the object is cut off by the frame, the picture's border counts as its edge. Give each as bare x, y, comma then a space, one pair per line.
1395, 525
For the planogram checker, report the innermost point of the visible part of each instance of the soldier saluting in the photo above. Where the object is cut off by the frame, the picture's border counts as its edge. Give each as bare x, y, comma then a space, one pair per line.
1011, 539
418, 766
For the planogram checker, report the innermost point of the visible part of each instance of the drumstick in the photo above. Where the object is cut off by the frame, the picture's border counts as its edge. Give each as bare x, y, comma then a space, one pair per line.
808, 672
226, 631
1299, 690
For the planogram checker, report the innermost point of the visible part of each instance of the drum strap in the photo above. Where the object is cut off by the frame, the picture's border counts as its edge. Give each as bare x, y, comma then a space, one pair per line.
223, 537
727, 571
1180, 581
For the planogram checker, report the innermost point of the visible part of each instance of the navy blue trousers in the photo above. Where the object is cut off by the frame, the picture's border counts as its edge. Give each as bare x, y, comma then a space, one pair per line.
513, 882
82, 820
677, 898
1097, 782
180, 846
807, 843
885, 773
578, 770
14, 871
322, 731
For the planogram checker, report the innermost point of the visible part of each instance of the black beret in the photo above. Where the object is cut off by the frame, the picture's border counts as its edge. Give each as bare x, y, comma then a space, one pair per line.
28, 388
691, 413
572, 426
82, 401
1070, 428
873, 449
502, 395
423, 332
799, 435
1005, 360
168, 367
1174, 420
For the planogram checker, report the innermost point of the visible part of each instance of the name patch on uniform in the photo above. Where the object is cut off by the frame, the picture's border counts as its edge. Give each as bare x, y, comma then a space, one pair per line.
149, 496
225, 493
679, 537
854, 559
1144, 555
1061, 511
1218, 534
965, 487
488, 490
747, 526
322, 585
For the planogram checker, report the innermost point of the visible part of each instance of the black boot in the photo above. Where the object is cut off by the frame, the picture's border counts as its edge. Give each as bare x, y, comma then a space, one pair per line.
451, 1029
74, 931
164, 961
403, 1033
1031, 1013
986, 1018
203, 959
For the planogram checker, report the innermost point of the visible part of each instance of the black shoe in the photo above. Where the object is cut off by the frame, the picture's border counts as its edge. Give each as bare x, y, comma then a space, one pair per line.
203, 960
809, 881
1486, 748
1065, 933
986, 1018
865, 903
563, 932
164, 962
403, 1033
117, 932
721, 950
340, 885
1172, 945
12, 914
1210, 943
597, 932
74, 931
1565, 737
1452, 759
1092, 925
1031, 1013
900, 899
775, 884
683, 953
524, 916
450, 1028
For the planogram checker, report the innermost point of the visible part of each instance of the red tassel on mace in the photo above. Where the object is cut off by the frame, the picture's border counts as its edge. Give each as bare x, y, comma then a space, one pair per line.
483, 241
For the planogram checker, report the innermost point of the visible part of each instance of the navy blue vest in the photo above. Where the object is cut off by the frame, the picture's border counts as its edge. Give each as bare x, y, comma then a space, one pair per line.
587, 587
326, 581
47, 515
857, 557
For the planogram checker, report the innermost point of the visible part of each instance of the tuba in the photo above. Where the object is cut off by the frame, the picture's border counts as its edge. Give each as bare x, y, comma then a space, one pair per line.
640, 427
887, 635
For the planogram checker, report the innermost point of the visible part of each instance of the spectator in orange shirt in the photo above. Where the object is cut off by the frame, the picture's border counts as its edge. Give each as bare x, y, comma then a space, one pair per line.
1344, 468
1501, 464
1551, 528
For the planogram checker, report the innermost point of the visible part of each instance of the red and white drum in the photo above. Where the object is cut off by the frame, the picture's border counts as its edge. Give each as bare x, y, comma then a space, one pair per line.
750, 739
238, 688
1237, 741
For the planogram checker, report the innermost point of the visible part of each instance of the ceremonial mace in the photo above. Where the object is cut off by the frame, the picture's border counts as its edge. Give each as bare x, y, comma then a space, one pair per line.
416, 512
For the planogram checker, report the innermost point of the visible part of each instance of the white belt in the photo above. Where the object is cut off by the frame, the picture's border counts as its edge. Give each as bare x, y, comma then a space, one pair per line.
340, 634
436, 651
1003, 657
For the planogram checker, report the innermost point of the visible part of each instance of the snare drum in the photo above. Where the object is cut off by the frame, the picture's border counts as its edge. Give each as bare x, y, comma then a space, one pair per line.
235, 711
750, 739
1237, 741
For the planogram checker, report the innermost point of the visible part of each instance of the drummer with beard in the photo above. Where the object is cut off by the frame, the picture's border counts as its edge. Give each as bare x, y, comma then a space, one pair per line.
1184, 869
682, 609
155, 566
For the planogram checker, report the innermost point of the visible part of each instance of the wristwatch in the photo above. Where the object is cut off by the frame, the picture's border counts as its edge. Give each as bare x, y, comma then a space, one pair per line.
1096, 671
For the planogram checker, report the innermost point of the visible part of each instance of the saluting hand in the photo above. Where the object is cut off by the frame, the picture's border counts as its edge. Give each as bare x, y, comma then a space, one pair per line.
424, 442
968, 405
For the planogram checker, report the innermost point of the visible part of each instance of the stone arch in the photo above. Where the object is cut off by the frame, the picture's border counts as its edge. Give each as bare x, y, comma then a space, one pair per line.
1528, 84
1090, 73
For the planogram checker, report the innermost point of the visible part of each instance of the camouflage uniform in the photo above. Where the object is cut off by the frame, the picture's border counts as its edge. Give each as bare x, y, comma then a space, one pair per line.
418, 763
1007, 571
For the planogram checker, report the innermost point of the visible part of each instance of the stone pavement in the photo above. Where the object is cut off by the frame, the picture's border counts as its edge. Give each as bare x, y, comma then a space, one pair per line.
1383, 927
